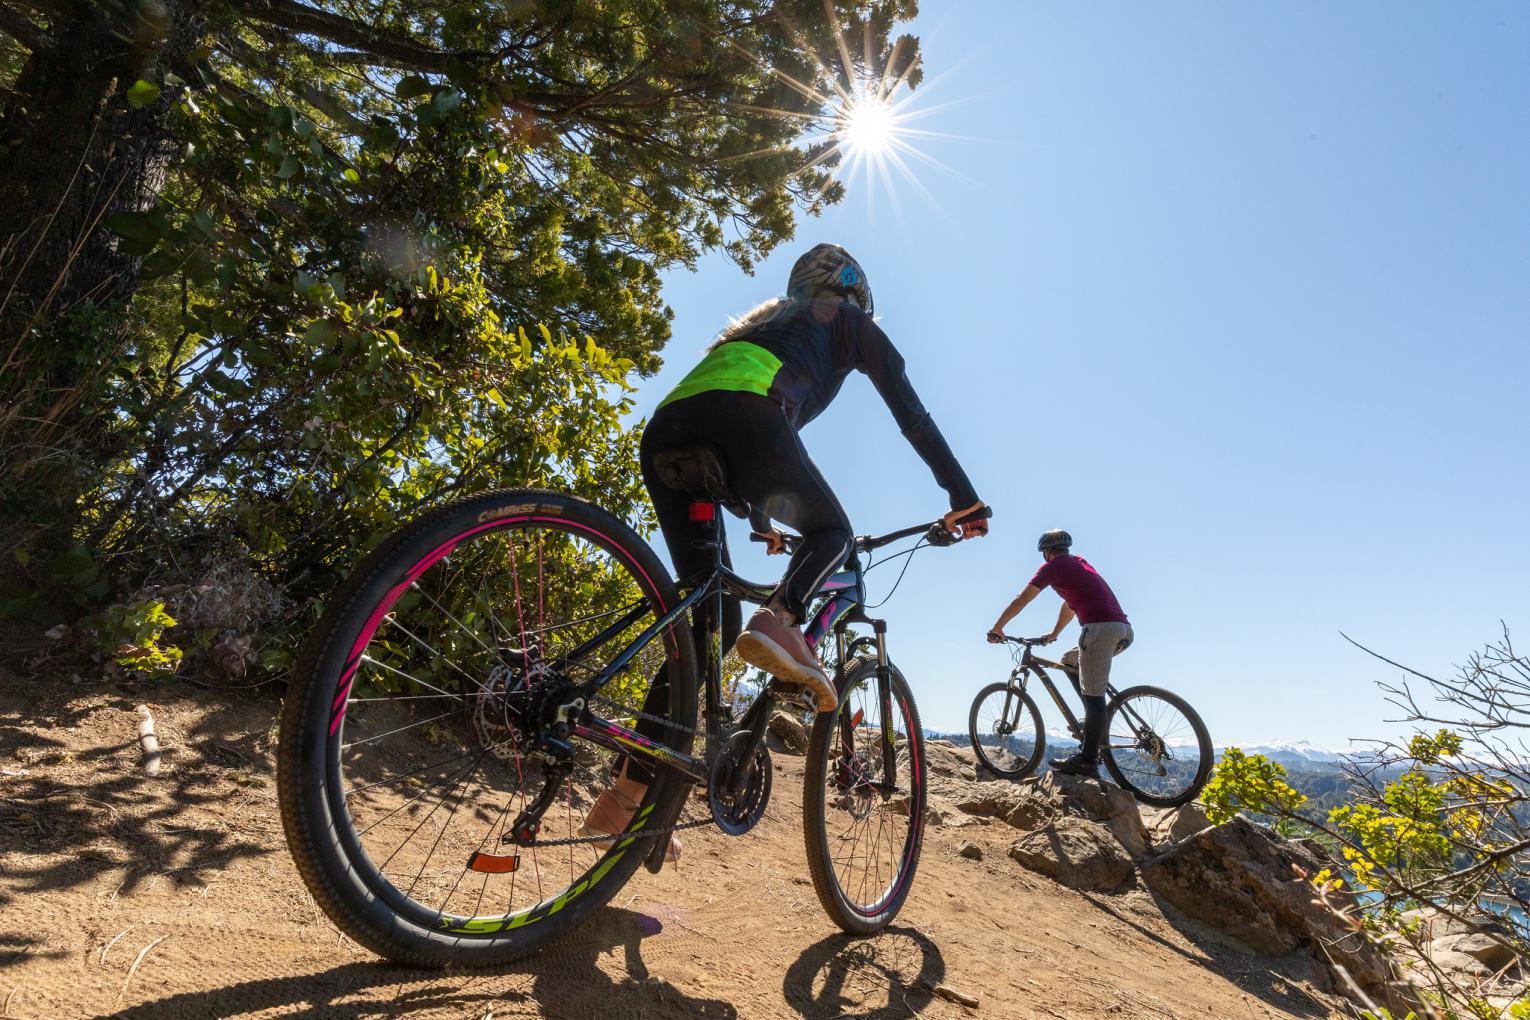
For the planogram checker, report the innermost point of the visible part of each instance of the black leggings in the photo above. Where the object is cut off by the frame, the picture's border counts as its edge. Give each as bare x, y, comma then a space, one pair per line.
767, 466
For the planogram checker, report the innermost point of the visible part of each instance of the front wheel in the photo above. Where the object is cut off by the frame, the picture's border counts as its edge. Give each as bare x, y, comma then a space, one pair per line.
1005, 728
863, 800
1157, 746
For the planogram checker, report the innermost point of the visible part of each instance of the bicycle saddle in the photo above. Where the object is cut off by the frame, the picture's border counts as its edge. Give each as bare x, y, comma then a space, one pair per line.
698, 471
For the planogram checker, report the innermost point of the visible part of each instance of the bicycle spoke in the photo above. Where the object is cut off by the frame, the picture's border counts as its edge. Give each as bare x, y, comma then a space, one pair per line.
401, 729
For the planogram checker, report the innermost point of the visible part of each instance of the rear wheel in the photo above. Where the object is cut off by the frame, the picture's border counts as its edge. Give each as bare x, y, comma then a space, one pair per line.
1157, 747
865, 825
1005, 728
415, 733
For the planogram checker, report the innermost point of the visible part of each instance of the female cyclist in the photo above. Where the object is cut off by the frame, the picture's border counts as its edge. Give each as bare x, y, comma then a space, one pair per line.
769, 374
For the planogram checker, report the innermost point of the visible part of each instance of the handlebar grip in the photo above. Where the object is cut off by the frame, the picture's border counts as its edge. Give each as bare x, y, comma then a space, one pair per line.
976, 515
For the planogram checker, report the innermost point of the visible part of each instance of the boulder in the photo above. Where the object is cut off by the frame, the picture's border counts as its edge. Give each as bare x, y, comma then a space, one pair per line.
990, 800
1030, 812
1435, 924
1459, 964
1241, 880
791, 736
971, 851
1188, 820
1492, 953
1098, 801
1077, 853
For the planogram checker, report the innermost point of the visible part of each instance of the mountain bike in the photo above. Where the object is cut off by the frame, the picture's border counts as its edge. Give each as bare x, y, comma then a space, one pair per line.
475, 684
1156, 745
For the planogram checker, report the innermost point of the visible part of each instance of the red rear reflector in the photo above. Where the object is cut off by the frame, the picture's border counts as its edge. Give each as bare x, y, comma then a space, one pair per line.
855, 720
703, 512
490, 864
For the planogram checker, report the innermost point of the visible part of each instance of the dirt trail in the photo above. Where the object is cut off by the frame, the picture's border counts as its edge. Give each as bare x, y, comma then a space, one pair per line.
174, 897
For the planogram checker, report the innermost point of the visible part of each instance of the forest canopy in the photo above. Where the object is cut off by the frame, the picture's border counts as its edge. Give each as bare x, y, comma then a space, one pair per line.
275, 274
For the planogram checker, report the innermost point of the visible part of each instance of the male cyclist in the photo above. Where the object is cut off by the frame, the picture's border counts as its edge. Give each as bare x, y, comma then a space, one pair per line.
1105, 634
769, 374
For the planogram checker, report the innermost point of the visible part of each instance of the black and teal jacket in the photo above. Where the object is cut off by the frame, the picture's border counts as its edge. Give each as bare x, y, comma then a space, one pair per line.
799, 353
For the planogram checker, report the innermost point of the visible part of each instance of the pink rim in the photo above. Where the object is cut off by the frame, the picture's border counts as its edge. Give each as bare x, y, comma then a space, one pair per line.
369, 629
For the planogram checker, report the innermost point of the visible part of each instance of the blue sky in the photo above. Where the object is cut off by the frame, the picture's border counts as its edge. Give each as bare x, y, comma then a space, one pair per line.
1240, 296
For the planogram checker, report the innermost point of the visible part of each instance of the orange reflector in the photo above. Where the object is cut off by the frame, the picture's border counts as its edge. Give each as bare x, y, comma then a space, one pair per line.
491, 864
855, 720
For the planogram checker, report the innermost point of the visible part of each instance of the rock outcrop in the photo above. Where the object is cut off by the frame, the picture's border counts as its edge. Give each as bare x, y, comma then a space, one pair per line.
1247, 884
791, 737
1077, 853
1237, 881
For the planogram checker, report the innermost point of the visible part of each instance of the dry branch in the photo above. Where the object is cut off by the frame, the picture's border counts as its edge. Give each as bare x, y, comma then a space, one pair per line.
134, 968
148, 741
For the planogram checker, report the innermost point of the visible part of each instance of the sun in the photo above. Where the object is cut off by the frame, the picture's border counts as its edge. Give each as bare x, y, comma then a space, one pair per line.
868, 126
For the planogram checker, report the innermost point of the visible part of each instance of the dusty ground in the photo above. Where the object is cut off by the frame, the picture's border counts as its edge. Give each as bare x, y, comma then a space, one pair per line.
174, 897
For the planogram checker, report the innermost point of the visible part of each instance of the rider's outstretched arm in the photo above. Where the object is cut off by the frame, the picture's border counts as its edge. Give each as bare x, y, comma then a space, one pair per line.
1064, 617
882, 363
1013, 610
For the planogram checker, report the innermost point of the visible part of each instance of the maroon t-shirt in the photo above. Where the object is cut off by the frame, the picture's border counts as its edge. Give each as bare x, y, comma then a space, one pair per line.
1082, 587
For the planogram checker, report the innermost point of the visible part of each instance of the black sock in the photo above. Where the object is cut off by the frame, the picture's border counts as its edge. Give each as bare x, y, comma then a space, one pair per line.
1094, 726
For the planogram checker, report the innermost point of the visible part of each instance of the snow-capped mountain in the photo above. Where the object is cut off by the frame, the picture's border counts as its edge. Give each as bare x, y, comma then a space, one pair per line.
1292, 753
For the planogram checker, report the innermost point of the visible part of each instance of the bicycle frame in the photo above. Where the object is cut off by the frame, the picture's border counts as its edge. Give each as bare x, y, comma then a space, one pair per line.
1031, 663
843, 595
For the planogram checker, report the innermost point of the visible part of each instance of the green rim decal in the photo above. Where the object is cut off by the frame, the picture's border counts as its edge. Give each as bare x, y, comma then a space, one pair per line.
547, 908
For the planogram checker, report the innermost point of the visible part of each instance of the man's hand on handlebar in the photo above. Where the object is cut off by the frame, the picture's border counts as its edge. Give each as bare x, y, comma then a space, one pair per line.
963, 529
996, 636
775, 542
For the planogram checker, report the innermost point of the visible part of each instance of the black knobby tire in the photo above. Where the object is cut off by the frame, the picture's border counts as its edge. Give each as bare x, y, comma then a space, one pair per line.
321, 834
1134, 767
1022, 714
831, 772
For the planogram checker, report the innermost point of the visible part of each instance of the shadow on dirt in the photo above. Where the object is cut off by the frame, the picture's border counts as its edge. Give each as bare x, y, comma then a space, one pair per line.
71, 814
565, 981
883, 977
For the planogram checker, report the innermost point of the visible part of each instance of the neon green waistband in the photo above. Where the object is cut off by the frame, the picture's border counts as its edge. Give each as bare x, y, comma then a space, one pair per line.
738, 366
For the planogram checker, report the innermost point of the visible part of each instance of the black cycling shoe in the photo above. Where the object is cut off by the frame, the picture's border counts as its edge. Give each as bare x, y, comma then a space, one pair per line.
1076, 765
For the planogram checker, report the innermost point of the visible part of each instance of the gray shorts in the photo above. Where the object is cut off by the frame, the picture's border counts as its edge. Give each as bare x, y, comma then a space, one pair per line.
1098, 643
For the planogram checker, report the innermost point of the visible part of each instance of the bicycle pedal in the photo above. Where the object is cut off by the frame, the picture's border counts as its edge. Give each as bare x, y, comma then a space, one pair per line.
792, 694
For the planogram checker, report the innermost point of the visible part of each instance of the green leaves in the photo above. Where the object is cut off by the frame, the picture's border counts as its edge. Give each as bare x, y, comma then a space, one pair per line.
411, 86
1249, 782
141, 93
319, 333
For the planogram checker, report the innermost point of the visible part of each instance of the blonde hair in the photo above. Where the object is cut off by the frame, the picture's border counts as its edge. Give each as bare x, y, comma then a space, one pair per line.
756, 316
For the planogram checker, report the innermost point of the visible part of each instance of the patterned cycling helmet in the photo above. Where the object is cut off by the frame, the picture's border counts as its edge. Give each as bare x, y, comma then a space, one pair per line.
830, 267
1055, 539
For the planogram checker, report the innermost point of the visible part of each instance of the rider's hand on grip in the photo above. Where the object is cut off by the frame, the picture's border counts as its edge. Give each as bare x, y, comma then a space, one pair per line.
775, 542
971, 522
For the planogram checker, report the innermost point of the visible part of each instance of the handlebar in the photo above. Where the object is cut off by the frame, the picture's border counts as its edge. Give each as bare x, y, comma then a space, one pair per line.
1028, 642
934, 532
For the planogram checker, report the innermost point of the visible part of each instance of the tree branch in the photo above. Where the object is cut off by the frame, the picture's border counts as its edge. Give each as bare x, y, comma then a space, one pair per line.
19, 27
386, 45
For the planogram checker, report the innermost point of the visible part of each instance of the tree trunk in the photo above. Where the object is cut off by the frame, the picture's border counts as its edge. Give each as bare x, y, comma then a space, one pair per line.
73, 152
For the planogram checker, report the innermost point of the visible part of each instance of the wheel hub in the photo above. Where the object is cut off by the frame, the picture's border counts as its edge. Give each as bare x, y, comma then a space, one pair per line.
508, 709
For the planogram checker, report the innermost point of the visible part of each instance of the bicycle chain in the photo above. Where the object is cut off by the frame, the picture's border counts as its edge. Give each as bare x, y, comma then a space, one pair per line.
643, 834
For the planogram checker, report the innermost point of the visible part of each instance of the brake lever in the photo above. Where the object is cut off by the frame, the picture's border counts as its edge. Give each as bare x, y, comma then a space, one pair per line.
938, 535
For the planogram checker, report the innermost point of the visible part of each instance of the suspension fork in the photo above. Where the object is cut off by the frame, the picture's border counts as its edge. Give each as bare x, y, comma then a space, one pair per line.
884, 693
